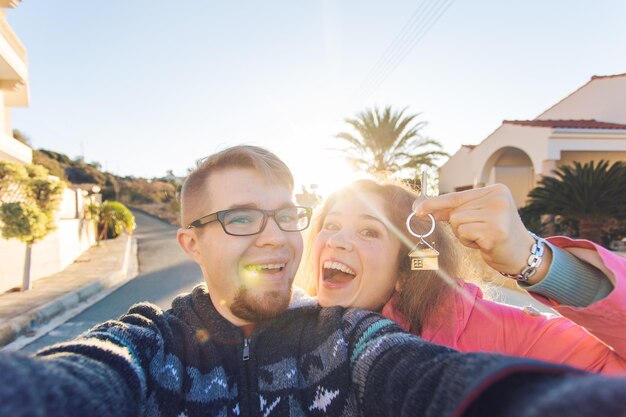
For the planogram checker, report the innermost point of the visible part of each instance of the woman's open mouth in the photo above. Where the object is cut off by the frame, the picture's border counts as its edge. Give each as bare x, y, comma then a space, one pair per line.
334, 272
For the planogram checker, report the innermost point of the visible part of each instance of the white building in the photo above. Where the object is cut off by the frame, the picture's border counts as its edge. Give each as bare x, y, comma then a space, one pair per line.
13, 87
589, 124
74, 234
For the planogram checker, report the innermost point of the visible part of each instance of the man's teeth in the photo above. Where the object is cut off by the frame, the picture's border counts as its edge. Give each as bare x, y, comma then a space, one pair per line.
339, 267
265, 267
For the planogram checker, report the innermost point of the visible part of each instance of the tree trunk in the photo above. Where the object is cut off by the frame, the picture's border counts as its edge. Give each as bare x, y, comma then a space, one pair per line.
26, 284
591, 229
105, 228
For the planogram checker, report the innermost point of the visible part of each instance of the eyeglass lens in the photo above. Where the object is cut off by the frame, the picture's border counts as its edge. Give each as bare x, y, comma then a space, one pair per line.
250, 221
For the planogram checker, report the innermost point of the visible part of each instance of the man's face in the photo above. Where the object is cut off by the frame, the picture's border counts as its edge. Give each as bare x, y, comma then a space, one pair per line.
248, 277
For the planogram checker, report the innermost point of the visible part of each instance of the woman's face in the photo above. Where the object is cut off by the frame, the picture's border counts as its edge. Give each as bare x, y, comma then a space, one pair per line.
356, 254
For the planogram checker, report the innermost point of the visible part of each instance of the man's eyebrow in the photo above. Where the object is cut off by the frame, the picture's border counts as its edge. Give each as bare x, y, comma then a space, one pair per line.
256, 206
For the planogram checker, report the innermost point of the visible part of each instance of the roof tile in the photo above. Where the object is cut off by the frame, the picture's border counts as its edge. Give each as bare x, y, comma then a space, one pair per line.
567, 124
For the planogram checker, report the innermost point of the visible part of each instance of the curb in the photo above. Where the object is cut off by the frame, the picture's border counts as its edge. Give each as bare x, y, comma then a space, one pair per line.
12, 329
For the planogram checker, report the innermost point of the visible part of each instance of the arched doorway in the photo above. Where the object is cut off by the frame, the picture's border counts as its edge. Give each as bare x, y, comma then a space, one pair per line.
510, 166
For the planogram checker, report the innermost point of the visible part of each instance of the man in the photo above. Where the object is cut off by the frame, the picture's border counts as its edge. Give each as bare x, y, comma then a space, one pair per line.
242, 345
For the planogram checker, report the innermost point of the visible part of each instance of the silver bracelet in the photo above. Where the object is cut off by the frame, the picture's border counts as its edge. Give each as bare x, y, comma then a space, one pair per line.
534, 260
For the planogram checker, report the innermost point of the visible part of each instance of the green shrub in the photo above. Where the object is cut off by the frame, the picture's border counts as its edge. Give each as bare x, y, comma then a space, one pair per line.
113, 218
25, 222
30, 200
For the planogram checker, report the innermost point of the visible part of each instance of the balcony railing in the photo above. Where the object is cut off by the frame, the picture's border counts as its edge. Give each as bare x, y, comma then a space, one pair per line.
7, 33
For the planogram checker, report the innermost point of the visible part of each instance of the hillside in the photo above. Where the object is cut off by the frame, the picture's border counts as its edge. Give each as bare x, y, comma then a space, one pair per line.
157, 196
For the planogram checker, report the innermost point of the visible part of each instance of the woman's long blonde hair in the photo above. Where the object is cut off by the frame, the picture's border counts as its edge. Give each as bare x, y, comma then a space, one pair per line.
420, 291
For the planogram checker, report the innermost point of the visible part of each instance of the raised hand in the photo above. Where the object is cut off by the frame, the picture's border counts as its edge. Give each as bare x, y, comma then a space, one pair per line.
487, 219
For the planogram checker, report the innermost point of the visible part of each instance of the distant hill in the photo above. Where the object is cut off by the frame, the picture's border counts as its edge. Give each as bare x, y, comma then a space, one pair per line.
158, 196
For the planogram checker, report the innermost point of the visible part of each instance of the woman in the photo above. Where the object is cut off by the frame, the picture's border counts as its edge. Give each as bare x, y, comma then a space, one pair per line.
360, 258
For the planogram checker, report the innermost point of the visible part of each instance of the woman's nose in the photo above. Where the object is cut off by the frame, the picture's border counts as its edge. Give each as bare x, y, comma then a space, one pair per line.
340, 240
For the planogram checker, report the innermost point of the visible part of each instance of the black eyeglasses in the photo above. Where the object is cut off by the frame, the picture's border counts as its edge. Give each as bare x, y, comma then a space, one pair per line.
251, 221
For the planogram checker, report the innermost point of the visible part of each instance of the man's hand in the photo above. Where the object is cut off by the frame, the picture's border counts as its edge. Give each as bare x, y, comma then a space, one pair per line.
487, 219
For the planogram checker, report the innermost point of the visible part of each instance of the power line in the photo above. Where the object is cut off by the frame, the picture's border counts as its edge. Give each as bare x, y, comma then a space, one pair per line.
404, 43
428, 19
391, 49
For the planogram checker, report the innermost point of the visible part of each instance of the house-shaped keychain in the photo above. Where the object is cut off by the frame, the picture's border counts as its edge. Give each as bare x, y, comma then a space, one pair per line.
424, 257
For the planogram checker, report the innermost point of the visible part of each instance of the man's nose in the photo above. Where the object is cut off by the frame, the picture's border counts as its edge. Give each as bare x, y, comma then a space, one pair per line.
272, 234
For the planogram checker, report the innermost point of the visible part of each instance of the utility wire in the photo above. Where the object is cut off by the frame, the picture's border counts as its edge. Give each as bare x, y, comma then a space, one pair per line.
423, 19
426, 22
393, 46
430, 17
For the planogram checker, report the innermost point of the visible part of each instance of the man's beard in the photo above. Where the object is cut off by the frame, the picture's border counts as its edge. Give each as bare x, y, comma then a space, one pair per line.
267, 306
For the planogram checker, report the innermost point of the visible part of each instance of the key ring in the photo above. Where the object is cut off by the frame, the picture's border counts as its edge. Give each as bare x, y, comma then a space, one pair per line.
408, 226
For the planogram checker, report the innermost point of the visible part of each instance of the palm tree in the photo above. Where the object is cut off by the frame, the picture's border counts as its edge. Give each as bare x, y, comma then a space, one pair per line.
588, 193
388, 141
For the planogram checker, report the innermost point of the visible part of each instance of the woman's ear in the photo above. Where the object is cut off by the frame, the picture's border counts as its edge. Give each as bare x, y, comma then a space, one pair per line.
398, 286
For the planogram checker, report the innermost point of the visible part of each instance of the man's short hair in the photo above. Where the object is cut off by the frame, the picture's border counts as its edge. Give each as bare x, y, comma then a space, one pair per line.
193, 195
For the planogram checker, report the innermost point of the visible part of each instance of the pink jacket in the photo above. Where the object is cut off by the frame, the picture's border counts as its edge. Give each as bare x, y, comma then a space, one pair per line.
591, 338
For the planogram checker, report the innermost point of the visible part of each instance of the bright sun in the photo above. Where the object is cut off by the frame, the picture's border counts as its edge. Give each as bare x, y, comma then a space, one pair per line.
325, 172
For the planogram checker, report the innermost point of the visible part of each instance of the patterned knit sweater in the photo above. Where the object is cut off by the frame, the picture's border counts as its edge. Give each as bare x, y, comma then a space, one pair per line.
189, 361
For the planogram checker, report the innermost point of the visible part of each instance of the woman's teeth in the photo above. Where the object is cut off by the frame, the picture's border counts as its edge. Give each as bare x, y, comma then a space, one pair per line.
339, 267
337, 272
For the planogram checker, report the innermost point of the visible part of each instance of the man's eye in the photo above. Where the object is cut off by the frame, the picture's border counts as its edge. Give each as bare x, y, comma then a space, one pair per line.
240, 220
286, 218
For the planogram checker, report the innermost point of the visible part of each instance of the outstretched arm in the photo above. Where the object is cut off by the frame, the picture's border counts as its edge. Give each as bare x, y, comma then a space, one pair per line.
103, 372
64, 385
397, 374
581, 280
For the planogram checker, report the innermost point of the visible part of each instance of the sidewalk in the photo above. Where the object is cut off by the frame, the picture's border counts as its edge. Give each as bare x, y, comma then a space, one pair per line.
101, 267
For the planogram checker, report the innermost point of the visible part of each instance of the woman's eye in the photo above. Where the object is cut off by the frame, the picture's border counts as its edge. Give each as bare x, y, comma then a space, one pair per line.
330, 226
370, 233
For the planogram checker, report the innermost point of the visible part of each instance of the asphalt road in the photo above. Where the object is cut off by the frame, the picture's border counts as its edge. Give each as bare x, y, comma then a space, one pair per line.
164, 271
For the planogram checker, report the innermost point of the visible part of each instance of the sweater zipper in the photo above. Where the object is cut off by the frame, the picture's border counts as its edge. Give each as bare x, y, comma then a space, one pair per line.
246, 349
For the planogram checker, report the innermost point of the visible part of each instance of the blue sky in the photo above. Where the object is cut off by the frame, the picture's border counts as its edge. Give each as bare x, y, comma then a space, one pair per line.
148, 86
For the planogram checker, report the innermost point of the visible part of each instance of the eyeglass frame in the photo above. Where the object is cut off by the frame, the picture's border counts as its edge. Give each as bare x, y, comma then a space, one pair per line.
218, 216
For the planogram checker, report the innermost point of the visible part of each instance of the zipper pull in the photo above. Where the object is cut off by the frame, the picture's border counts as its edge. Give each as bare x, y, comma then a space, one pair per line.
246, 349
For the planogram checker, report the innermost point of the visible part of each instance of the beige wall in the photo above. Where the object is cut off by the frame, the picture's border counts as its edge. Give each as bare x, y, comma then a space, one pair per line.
455, 173
585, 157
53, 254
519, 179
509, 145
603, 99
538, 149
13, 89
14, 151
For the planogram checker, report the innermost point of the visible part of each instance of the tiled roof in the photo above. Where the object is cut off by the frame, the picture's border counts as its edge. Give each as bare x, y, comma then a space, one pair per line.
567, 124
595, 77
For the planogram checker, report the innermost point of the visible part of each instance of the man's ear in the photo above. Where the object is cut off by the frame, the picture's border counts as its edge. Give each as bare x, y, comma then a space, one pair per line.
188, 240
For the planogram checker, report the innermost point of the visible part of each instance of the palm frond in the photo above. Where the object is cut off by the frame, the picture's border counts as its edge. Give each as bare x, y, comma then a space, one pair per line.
388, 140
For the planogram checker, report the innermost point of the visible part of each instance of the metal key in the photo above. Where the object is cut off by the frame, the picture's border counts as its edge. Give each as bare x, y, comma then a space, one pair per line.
423, 192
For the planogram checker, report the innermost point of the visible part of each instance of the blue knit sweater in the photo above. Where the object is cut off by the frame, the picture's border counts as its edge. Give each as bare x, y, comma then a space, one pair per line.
189, 361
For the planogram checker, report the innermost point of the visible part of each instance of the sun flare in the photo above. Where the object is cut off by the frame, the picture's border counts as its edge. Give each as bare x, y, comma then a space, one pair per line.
324, 172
